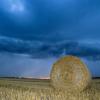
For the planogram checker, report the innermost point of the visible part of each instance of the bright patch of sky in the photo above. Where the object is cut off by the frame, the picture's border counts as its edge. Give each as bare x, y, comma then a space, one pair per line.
16, 10
16, 6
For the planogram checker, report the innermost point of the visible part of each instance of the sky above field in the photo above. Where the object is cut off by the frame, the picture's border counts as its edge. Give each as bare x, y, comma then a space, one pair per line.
35, 33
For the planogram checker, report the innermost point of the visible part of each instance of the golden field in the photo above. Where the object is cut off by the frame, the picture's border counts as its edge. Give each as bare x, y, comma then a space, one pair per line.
37, 89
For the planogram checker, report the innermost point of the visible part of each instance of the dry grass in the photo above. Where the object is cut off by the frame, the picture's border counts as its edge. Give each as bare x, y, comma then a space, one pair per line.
41, 90
70, 73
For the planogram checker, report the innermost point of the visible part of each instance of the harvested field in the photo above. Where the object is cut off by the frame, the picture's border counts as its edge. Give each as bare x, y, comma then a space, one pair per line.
26, 89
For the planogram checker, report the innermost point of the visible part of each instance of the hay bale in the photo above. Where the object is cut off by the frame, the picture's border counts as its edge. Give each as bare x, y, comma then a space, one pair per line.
70, 73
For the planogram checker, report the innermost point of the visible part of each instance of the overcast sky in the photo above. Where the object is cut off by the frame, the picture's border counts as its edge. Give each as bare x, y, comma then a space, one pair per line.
45, 29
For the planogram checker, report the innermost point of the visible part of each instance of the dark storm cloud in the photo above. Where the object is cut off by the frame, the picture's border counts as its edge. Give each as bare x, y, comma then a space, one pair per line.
39, 49
49, 23
47, 29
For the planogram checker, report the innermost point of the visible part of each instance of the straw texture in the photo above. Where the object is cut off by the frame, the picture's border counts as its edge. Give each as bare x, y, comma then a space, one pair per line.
70, 73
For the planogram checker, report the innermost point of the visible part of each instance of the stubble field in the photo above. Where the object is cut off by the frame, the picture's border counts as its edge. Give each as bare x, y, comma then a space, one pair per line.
37, 89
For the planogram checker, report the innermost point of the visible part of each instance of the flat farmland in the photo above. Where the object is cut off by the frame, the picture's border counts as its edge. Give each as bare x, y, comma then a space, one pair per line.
41, 89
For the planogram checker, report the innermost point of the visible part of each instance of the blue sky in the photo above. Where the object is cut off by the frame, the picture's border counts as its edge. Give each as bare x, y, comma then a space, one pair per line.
38, 32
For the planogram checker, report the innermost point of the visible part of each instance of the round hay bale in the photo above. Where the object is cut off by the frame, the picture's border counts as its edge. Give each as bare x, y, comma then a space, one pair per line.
70, 73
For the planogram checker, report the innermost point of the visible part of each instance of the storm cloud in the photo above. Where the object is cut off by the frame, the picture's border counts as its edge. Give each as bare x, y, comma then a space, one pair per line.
47, 29
40, 49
